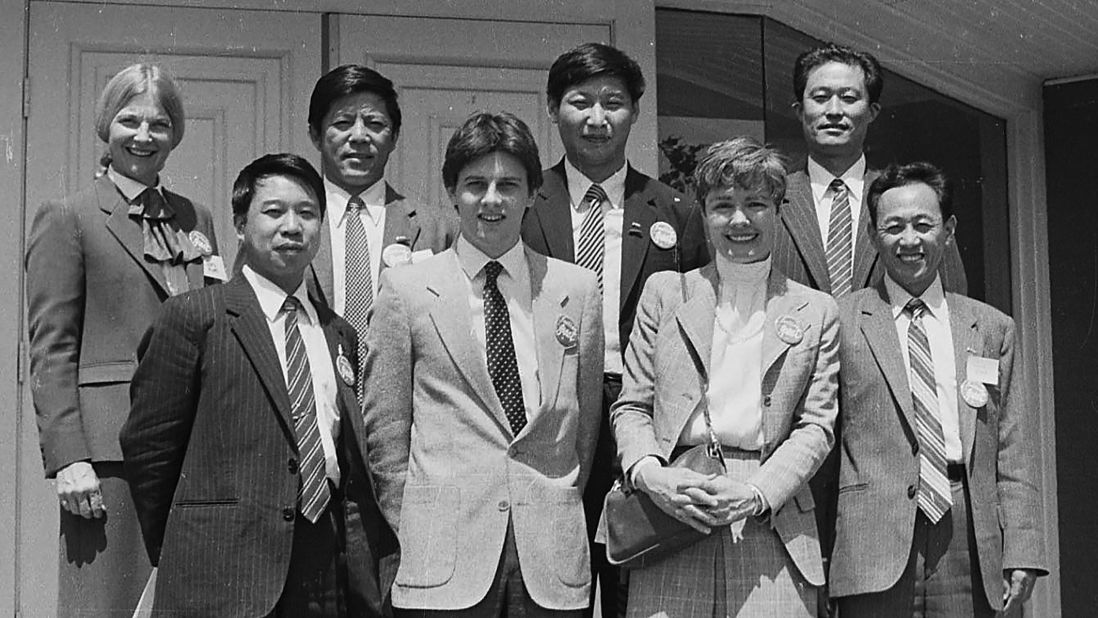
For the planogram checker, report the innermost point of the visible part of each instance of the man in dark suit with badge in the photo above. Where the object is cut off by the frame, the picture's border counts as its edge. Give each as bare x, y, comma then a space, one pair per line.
595, 210
242, 448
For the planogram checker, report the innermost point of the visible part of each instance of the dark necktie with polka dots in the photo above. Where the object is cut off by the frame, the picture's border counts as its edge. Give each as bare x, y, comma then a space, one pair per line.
502, 365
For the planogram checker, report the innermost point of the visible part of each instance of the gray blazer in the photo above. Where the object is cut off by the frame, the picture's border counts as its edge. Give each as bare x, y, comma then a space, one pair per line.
880, 463
448, 471
667, 364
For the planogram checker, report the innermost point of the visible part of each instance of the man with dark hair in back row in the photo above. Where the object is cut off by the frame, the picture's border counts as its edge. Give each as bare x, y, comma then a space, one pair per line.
597, 211
822, 241
243, 445
354, 122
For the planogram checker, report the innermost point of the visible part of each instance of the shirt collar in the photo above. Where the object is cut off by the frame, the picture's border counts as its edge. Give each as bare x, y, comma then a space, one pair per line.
129, 187
853, 178
933, 297
373, 196
578, 184
271, 297
473, 260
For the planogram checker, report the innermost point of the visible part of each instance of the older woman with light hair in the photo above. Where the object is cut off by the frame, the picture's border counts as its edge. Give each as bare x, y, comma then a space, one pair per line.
736, 356
99, 263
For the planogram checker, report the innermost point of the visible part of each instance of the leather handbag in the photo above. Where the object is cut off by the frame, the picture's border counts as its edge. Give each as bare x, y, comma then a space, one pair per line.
638, 532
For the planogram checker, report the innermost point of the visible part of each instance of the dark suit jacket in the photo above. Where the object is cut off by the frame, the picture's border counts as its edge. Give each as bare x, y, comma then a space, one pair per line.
799, 249
91, 294
547, 229
419, 227
211, 457
880, 462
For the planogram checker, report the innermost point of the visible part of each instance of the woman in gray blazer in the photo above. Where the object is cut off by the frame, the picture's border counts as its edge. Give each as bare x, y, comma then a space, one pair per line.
99, 263
738, 354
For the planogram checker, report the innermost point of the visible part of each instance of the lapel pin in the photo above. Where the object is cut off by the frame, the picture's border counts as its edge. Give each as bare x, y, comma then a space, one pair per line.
974, 393
635, 229
396, 254
346, 372
566, 331
663, 235
403, 240
789, 330
200, 242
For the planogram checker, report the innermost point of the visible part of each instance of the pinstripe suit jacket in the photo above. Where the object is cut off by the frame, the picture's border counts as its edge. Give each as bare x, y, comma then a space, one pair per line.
799, 249
211, 457
667, 366
91, 294
420, 227
450, 474
880, 463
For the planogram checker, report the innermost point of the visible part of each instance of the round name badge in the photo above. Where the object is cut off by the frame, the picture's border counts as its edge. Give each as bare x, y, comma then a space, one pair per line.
346, 372
974, 393
663, 235
200, 242
789, 330
396, 254
566, 331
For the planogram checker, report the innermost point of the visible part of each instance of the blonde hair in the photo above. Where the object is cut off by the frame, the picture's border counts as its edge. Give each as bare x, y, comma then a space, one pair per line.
125, 85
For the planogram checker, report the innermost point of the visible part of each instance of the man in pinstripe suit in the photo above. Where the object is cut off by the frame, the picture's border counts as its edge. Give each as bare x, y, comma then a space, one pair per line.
242, 448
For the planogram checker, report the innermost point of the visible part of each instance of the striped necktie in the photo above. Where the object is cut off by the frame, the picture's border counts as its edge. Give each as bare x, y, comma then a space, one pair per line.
592, 243
500, 350
840, 240
313, 494
934, 493
359, 287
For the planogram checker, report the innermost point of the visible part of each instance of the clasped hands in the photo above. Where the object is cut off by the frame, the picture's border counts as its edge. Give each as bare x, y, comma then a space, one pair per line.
698, 500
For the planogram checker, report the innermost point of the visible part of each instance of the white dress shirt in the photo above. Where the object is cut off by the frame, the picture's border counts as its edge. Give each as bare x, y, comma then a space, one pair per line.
940, 336
822, 195
373, 219
613, 219
514, 286
734, 393
271, 298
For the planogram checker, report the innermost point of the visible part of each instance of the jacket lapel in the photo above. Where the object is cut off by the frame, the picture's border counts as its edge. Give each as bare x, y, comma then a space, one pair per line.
640, 214
780, 306
554, 214
967, 340
695, 320
321, 283
879, 329
549, 304
865, 256
249, 325
401, 225
454, 325
126, 231
339, 342
799, 217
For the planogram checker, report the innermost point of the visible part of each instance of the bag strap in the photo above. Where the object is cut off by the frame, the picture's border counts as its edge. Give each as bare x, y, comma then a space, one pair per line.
713, 449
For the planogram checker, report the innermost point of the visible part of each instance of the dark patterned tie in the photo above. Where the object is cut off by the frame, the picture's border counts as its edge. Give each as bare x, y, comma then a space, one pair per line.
592, 243
840, 240
934, 494
313, 494
359, 288
500, 348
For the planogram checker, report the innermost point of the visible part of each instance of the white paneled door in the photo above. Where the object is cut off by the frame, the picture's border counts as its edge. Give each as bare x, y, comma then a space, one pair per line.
245, 77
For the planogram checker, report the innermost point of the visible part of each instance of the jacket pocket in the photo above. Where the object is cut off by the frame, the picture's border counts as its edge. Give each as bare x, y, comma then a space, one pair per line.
428, 535
190, 504
571, 554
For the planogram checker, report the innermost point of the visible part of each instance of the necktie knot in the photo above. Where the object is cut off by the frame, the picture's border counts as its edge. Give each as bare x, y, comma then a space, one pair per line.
492, 270
915, 308
355, 205
837, 186
595, 196
291, 305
